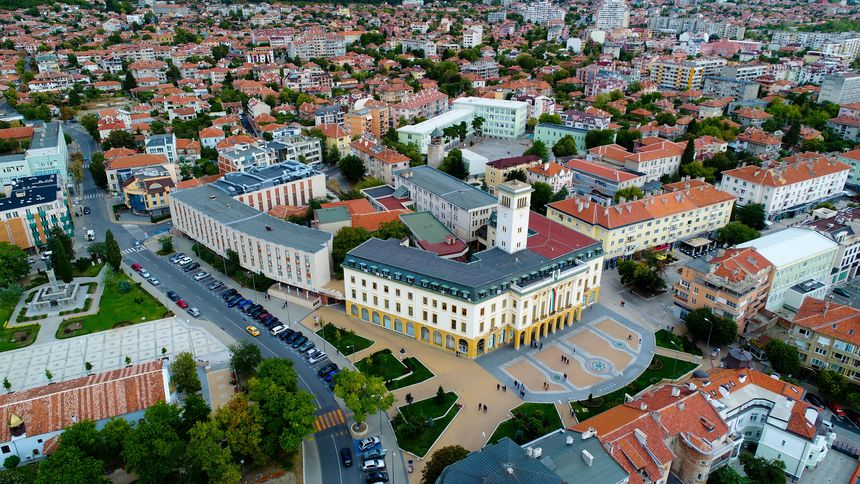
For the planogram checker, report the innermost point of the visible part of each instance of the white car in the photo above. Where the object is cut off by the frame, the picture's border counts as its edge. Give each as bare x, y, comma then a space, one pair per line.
316, 357
201, 275
373, 465
368, 442
144, 273
193, 311
154, 281
278, 330
185, 261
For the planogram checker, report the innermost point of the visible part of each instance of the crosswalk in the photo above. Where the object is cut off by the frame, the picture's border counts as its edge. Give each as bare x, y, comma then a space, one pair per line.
329, 419
132, 250
90, 196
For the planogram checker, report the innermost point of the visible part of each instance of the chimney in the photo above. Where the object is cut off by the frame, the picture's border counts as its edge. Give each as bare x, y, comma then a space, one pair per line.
826, 306
587, 457
676, 391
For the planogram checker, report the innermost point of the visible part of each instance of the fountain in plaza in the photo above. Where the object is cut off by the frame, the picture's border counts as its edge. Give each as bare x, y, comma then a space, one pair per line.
56, 296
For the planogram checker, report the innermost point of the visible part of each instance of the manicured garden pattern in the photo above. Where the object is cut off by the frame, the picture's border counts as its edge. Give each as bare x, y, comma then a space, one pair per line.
346, 341
382, 364
665, 339
530, 421
6, 335
414, 432
419, 374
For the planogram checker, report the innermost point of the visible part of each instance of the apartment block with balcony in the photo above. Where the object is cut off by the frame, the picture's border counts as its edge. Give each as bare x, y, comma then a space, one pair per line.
379, 161
31, 206
844, 229
497, 171
733, 284
827, 336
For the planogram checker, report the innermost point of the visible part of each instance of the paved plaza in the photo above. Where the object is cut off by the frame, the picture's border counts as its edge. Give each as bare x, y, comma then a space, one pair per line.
603, 352
107, 350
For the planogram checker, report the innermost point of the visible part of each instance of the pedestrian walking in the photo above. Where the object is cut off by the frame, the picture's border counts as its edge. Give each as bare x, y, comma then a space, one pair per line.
571, 412
504, 388
485, 409
640, 340
522, 394
516, 384
541, 347
479, 406
498, 386
565, 376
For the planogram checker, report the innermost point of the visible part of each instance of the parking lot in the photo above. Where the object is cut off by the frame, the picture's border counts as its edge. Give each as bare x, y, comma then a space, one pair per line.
848, 294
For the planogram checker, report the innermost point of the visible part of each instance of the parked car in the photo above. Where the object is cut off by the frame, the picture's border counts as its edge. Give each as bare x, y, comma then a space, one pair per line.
215, 285
228, 293
326, 369
373, 465
374, 453
244, 304
316, 358
853, 416
293, 337
286, 334
368, 442
841, 292
299, 341
173, 296
264, 315
329, 377
815, 400
377, 478
346, 457
312, 352
184, 261
154, 281
236, 300
194, 312
201, 275
836, 409
175, 257
278, 330
306, 346
136, 267
181, 303
87, 210
145, 273
191, 267
252, 330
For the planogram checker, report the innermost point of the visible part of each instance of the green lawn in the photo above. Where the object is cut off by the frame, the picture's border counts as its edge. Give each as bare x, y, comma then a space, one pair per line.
665, 339
6, 311
419, 374
117, 309
414, 433
347, 342
522, 428
671, 368
90, 271
382, 364
6, 334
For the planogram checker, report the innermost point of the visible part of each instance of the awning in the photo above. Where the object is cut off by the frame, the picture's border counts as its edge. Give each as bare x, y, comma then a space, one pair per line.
697, 242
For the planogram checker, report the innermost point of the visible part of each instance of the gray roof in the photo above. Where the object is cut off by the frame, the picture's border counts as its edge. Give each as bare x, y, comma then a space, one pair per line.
160, 140
216, 204
453, 190
503, 462
45, 136
258, 178
567, 460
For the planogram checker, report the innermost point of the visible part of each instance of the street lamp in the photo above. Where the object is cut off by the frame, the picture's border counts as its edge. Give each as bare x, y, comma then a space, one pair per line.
710, 329
242, 461
349, 347
674, 360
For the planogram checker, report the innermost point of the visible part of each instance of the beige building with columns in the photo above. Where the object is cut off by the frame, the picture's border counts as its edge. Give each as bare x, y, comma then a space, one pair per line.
535, 278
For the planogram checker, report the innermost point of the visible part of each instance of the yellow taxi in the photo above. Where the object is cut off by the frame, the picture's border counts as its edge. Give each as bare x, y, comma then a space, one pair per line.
253, 331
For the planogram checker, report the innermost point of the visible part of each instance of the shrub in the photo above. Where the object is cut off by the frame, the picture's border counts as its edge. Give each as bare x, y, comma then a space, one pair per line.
123, 287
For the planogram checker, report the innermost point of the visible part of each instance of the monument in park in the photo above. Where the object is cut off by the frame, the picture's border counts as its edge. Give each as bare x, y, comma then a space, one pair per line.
56, 296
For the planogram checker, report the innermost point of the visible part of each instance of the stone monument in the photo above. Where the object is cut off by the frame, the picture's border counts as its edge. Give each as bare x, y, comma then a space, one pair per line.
56, 296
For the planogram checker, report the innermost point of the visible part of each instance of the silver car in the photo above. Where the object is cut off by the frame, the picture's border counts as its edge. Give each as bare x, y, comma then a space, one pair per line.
154, 281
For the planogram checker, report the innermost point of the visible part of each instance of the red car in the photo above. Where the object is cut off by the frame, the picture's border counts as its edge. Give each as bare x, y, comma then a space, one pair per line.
181, 303
836, 409
136, 267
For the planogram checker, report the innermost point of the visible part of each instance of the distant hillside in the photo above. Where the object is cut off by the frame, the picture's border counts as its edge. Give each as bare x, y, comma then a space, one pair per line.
16, 4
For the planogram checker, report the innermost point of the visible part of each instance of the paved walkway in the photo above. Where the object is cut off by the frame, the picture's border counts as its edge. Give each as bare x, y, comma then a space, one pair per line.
50, 324
604, 351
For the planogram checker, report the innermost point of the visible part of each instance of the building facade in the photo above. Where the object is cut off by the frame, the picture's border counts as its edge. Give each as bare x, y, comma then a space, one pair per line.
30, 208
827, 336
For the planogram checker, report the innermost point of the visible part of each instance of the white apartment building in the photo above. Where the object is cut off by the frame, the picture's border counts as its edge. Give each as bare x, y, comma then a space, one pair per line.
463, 208
287, 183
843, 43
502, 119
840, 88
317, 44
427, 46
473, 37
542, 12
612, 14
844, 229
536, 278
162, 144
798, 255
285, 252
654, 158
744, 72
794, 185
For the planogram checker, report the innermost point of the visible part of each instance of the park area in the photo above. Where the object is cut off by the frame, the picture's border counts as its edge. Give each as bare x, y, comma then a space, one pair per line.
122, 303
528, 422
346, 341
418, 425
394, 373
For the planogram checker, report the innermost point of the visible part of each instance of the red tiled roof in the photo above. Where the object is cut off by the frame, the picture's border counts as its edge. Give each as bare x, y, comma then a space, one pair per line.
504, 163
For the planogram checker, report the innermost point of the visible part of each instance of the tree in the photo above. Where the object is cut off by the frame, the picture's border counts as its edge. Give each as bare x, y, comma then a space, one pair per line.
782, 356
153, 450
129, 82
541, 195
183, 373
627, 138
70, 464
13, 264
363, 394
166, 243
287, 415
832, 384
761, 470
751, 215
119, 138
245, 357
61, 260
516, 175
689, 154
344, 241
441, 459
599, 137
85, 437
702, 324
727, 475
793, 135
629, 193
7, 385
112, 253
566, 146
243, 428
394, 229
220, 51
97, 170
642, 277
538, 149
455, 165
478, 126
352, 168
90, 122
206, 454
114, 435
76, 167
11, 462
194, 410
735, 233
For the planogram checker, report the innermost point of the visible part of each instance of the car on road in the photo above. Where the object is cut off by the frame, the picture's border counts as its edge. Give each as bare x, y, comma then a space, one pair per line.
215, 285
374, 453
252, 330
181, 303
841, 292
326, 369
191, 267
299, 341
836, 409
136, 267
278, 330
317, 357
373, 465
346, 457
201, 275
369, 442
87, 210
853, 416
815, 400
145, 273
193, 311
173, 296
377, 478
154, 281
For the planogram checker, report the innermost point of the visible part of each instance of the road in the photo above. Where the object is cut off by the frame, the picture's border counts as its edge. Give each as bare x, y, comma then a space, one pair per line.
329, 441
